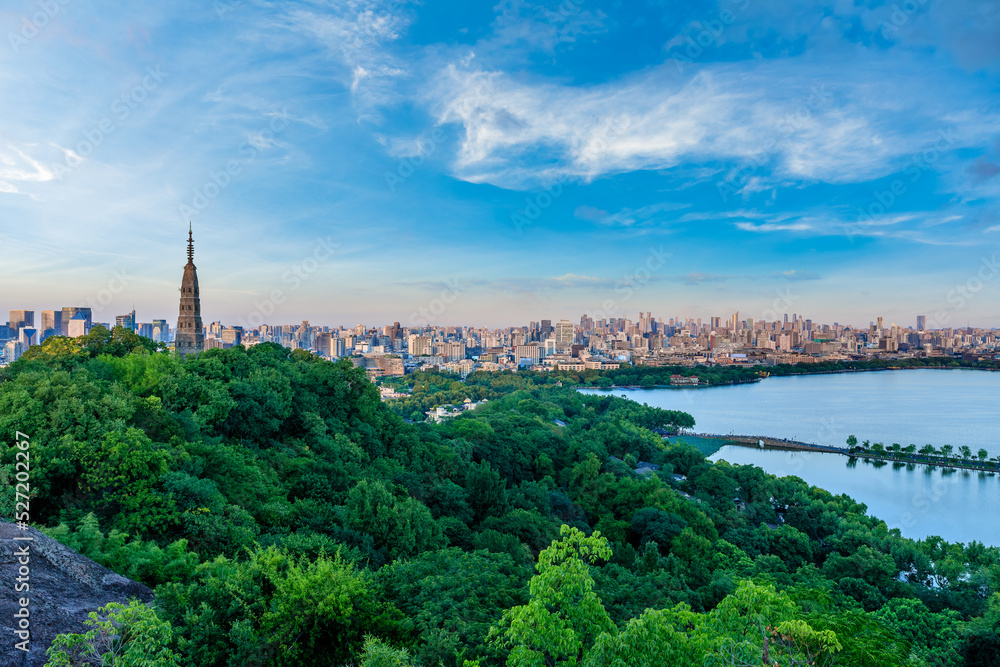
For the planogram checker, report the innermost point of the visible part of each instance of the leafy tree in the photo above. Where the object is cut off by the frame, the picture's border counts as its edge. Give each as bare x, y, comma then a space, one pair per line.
658, 638
123, 473
376, 653
981, 643
272, 609
399, 527
143, 561
654, 525
563, 615
121, 635
56, 351
450, 598
757, 625
487, 491
934, 638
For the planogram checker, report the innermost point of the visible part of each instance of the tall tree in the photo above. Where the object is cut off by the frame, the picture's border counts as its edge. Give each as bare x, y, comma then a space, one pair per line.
563, 615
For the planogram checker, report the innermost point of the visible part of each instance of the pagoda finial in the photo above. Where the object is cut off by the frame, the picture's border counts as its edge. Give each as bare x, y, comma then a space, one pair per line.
190, 245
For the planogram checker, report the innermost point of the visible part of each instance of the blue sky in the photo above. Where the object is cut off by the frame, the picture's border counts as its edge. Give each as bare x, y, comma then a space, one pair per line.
490, 164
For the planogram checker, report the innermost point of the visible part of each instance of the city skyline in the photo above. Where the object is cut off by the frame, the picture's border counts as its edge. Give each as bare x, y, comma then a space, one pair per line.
632, 316
846, 155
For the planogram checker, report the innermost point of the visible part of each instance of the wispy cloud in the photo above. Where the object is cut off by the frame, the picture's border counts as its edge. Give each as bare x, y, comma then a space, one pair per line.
17, 166
358, 34
629, 217
768, 227
656, 120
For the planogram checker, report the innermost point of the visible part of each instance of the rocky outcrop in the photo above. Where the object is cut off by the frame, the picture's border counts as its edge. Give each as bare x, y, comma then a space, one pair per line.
63, 587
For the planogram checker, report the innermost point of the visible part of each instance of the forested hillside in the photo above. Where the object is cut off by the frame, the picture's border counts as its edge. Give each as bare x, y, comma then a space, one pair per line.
284, 515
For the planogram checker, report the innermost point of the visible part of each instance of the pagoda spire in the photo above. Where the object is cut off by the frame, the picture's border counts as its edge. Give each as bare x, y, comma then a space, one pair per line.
190, 338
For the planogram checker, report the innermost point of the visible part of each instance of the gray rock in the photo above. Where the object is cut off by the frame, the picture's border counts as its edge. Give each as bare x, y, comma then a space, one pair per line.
63, 588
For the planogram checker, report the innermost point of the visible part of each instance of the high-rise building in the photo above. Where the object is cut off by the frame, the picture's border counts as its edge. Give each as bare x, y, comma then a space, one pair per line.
234, 336
454, 351
27, 336
12, 351
51, 323
391, 366
68, 313
161, 331
419, 345
322, 343
921, 323
564, 333
544, 329
529, 352
190, 337
21, 318
305, 334
127, 321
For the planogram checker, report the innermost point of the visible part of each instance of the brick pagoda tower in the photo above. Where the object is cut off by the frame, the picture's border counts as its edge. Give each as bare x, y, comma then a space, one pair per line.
190, 337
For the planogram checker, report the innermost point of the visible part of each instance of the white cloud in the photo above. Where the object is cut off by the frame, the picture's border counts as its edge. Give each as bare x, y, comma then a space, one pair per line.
770, 116
358, 33
628, 217
18, 167
765, 227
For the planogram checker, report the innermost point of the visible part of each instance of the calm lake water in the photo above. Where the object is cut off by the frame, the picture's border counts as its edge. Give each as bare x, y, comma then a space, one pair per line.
956, 407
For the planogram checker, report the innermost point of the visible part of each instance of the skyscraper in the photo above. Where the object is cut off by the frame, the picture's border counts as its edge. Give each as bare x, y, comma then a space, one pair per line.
51, 323
921, 322
127, 321
69, 313
21, 318
564, 333
190, 338
161, 332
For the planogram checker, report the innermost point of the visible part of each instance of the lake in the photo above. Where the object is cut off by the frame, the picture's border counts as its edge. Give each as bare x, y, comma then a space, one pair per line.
959, 506
956, 407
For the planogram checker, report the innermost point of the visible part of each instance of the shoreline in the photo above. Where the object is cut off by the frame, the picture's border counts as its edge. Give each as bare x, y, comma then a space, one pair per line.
769, 376
779, 444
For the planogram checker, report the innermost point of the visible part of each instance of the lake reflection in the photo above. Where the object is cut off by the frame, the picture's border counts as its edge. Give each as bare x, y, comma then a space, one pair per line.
960, 506
938, 407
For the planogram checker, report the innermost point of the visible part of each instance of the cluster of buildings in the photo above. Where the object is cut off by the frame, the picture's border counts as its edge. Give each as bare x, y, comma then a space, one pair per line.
606, 343
394, 350
23, 329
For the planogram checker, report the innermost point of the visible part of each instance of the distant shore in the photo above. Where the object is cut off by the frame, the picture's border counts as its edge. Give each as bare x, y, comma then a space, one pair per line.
932, 460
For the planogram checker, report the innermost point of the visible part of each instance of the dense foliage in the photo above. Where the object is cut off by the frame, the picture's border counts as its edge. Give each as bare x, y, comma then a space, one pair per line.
286, 516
